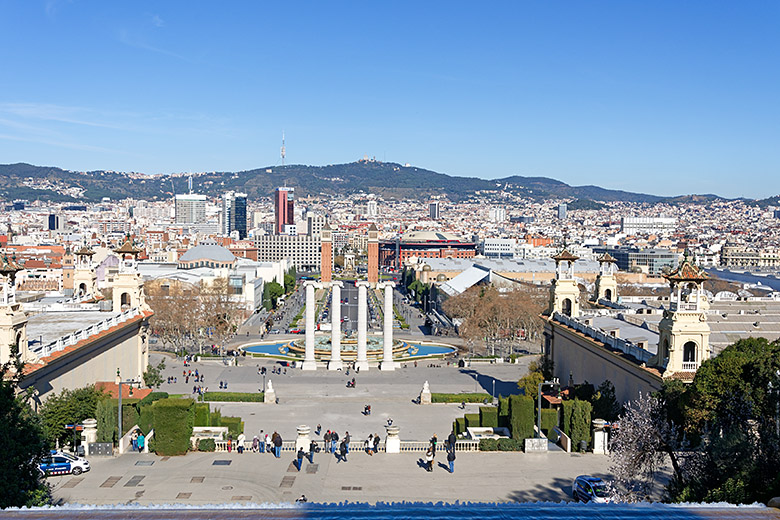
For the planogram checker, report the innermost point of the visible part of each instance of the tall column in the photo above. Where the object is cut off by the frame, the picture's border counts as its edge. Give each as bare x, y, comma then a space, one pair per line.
387, 351
335, 335
362, 358
309, 362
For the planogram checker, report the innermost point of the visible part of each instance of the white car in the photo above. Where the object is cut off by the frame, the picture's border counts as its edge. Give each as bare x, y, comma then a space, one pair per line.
61, 463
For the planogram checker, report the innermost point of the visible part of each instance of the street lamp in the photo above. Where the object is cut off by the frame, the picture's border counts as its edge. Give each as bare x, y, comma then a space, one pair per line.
119, 383
554, 382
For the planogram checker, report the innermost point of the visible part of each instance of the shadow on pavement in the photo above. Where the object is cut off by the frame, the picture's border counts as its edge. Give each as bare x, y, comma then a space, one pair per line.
503, 388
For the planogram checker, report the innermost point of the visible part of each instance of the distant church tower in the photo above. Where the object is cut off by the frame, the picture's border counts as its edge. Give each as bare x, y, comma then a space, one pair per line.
13, 320
84, 276
326, 254
684, 335
373, 255
128, 286
565, 293
606, 284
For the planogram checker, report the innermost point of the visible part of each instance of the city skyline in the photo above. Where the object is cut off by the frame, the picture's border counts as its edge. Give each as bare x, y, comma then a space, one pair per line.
662, 98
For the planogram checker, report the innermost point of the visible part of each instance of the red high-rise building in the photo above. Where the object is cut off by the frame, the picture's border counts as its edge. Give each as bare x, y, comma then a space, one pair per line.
283, 208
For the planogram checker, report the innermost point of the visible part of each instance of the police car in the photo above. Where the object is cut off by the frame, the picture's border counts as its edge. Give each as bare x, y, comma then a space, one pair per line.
589, 489
60, 463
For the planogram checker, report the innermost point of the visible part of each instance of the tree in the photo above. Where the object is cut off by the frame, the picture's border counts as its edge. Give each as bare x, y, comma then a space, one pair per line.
23, 440
153, 376
530, 382
289, 283
177, 308
68, 407
221, 312
274, 292
605, 404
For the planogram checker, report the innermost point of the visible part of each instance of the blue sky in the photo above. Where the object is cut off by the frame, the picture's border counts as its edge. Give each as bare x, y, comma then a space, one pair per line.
658, 97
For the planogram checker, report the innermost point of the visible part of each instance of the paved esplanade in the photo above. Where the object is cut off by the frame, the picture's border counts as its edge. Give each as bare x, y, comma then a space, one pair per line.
335, 362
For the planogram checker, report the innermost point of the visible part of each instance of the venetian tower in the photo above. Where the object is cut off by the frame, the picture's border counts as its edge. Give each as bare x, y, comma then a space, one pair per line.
565, 293
606, 284
373, 255
84, 276
13, 320
128, 286
326, 254
683, 332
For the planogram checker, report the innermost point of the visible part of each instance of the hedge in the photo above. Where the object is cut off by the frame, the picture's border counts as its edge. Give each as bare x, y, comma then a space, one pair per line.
173, 420
107, 418
576, 421
460, 425
234, 397
521, 417
488, 445
146, 418
202, 415
488, 416
503, 412
460, 398
505, 444
207, 445
472, 420
152, 397
549, 421
234, 424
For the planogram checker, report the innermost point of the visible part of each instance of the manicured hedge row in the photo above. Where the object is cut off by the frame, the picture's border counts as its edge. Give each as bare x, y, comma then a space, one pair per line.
549, 421
488, 416
503, 412
173, 420
460, 425
234, 397
500, 445
152, 397
472, 420
202, 415
235, 426
521, 417
460, 398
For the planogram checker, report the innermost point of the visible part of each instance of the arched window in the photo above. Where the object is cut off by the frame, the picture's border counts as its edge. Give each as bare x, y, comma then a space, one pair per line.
125, 301
608, 295
689, 352
566, 307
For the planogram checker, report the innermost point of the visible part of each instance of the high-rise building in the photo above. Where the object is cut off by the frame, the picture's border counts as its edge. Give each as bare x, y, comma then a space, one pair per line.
234, 213
434, 211
777, 213
284, 209
562, 210
190, 209
372, 209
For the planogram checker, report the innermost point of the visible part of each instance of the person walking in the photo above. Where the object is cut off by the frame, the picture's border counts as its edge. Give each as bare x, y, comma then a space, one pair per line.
347, 440
277, 445
301, 454
134, 440
343, 451
376, 443
451, 460
312, 449
451, 440
141, 441
429, 459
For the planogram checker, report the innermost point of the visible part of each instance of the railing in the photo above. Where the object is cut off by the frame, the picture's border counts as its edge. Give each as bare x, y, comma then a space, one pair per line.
358, 445
81, 334
690, 366
625, 346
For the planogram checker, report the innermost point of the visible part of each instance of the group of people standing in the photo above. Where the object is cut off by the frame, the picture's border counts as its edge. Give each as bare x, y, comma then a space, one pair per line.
430, 454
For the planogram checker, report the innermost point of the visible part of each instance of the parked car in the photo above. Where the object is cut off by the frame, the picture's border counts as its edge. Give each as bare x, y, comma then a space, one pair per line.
589, 489
296, 331
60, 463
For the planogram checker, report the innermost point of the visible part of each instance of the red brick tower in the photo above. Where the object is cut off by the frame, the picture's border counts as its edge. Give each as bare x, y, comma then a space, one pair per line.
373, 255
326, 254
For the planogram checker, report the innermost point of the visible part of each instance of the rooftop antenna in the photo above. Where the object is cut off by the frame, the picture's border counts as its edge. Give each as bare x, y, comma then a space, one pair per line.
189, 184
284, 152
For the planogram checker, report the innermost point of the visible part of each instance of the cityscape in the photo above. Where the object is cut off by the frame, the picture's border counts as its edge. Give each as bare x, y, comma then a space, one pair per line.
192, 326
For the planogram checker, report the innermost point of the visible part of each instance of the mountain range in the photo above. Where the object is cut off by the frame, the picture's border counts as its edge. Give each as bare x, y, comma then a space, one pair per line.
391, 180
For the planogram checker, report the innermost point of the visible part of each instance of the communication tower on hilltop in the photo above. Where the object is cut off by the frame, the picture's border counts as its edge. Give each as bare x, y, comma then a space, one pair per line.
284, 152
189, 184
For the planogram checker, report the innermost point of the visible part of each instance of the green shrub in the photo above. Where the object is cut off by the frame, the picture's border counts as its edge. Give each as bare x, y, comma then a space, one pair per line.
173, 420
488, 416
106, 421
145, 418
234, 424
460, 425
505, 444
503, 412
207, 445
576, 421
234, 397
549, 421
130, 416
521, 417
202, 414
152, 397
460, 398
488, 445
472, 420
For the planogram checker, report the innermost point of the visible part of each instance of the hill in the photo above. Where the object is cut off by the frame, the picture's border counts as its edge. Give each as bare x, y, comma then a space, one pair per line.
386, 179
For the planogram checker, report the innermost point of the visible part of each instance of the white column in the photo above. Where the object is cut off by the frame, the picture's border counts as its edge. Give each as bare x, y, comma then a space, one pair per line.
362, 358
308, 362
335, 336
387, 351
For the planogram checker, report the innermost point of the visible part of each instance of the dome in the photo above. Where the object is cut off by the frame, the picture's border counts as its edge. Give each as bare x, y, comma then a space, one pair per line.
208, 253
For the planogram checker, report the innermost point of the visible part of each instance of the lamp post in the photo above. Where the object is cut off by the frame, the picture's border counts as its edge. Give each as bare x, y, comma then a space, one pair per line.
119, 383
554, 382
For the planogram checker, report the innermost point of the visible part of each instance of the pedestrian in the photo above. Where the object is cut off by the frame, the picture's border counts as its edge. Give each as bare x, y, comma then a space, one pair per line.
255, 444
343, 451
451, 440
267, 443
141, 441
241, 440
451, 460
134, 440
376, 443
318, 430
429, 459
261, 442
347, 440
278, 445
230, 443
434, 440
334, 439
300, 457
312, 449
326, 438
369, 444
